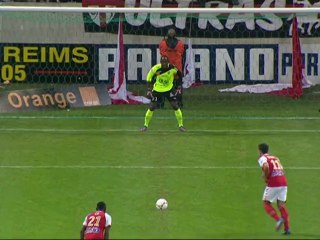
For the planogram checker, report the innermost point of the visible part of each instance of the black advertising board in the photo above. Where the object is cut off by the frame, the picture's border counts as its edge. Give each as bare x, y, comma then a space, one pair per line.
55, 63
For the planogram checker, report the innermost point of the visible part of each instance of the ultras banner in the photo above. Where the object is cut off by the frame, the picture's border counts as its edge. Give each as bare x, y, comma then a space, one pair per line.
204, 25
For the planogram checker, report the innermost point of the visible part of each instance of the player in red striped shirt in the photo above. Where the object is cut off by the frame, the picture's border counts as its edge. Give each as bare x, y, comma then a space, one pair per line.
97, 224
276, 188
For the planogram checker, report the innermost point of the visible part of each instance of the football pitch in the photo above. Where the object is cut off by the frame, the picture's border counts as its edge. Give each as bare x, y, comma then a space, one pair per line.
56, 165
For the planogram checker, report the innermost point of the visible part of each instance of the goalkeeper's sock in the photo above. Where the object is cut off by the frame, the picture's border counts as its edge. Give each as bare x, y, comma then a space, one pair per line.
148, 117
179, 118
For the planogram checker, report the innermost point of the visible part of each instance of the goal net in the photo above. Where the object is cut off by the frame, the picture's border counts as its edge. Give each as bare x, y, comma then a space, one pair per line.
231, 50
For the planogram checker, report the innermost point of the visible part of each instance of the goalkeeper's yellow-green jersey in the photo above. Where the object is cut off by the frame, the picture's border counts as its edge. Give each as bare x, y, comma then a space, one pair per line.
163, 78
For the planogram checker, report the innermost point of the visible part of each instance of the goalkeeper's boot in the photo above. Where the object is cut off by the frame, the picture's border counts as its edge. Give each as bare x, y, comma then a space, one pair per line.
144, 129
279, 224
182, 129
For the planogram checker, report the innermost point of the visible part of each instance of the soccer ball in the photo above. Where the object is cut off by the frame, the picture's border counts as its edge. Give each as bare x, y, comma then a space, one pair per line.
162, 204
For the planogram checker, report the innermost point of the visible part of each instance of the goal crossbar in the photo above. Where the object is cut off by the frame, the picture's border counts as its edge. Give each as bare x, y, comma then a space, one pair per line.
158, 10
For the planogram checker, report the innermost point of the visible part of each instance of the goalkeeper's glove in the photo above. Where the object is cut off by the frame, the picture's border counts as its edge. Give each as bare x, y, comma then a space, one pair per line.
178, 91
150, 95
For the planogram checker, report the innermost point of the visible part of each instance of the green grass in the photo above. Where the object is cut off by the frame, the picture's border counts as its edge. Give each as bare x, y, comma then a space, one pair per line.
209, 175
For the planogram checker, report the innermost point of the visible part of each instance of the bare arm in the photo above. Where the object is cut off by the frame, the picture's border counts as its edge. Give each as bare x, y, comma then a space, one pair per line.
179, 79
265, 172
149, 86
106, 232
82, 232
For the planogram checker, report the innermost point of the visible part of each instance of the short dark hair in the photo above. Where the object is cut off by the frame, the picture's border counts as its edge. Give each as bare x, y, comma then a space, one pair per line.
164, 58
263, 147
101, 206
170, 30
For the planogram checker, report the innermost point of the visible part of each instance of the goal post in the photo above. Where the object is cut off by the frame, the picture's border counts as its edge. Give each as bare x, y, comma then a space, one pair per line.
49, 46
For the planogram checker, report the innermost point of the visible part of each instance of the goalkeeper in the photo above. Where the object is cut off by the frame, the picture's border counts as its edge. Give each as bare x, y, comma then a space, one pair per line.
161, 82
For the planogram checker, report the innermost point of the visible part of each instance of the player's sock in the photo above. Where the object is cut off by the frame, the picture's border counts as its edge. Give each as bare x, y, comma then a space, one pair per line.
179, 118
148, 117
271, 211
285, 216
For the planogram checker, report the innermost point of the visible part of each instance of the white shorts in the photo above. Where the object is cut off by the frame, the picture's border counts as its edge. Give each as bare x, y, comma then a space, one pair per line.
272, 194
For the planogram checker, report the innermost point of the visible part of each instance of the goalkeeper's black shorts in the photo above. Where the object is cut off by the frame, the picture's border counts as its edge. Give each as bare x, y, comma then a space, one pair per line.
169, 95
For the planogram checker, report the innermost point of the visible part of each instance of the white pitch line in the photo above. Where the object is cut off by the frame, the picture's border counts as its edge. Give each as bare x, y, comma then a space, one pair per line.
140, 167
160, 117
59, 130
